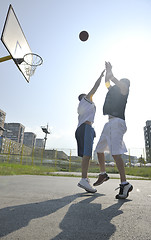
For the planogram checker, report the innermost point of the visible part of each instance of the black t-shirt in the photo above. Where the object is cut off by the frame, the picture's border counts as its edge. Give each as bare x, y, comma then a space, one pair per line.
115, 103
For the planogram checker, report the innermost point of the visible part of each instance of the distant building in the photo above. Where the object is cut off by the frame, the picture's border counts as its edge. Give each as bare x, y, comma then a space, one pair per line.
54, 154
14, 131
147, 136
108, 157
39, 143
29, 139
2, 121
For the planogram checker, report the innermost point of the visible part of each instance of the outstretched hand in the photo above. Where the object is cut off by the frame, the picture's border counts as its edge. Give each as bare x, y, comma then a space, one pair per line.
108, 67
102, 74
95, 87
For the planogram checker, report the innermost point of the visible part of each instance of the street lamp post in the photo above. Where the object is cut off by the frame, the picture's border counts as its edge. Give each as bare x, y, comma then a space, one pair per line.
45, 130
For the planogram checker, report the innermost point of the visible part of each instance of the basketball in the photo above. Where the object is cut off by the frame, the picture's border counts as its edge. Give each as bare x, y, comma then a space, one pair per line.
84, 36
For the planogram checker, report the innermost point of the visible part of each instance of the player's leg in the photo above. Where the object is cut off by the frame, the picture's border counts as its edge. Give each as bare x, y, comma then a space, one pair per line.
85, 166
88, 137
103, 175
85, 182
118, 129
101, 160
120, 166
125, 187
100, 148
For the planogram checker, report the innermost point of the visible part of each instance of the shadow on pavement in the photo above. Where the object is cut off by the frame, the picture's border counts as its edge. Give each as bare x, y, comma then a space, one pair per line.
86, 220
15, 217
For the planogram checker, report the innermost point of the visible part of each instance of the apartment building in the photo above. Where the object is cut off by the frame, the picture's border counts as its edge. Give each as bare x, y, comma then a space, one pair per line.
39, 143
29, 139
2, 121
14, 131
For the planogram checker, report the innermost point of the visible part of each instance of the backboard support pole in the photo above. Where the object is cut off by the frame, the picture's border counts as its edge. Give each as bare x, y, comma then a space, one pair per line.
3, 59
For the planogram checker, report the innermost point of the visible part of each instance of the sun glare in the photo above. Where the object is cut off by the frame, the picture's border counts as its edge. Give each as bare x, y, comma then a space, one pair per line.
130, 55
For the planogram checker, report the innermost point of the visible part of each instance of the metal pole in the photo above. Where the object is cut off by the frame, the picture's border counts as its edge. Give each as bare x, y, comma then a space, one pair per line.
33, 156
3, 59
45, 138
129, 159
56, 159
42, 152
9, 151
70, 162
21, 159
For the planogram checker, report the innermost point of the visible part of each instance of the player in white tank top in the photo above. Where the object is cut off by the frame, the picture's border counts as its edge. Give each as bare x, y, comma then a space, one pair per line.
86, 114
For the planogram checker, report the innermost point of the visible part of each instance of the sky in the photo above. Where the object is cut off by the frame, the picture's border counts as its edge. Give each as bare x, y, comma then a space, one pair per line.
119, 32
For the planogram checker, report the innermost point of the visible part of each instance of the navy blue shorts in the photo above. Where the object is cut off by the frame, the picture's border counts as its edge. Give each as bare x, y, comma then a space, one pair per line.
85, 135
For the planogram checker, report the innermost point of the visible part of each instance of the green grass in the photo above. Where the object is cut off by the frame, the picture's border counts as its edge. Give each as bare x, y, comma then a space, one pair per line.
133, 171
18, 169
139, 171
95, 169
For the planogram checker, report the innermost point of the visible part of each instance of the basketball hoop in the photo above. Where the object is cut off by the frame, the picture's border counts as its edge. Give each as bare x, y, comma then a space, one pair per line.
30, 61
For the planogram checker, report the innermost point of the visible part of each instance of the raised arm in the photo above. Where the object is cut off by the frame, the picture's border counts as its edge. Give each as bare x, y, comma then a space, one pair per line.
109, 76
95, 87
107, 79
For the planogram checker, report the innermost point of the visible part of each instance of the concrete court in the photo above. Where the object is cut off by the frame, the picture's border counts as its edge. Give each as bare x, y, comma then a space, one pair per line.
48, 207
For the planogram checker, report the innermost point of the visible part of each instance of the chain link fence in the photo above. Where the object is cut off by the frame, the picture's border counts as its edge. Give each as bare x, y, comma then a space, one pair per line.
66, 159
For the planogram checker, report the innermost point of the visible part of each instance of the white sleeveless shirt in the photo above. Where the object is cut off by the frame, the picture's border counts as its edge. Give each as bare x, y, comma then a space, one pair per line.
86, 111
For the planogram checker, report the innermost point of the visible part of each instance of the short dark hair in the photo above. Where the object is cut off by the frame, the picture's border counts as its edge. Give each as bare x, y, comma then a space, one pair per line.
81, 96
127, 81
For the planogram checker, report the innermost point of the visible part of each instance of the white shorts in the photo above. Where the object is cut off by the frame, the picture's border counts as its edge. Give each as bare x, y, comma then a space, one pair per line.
111, 138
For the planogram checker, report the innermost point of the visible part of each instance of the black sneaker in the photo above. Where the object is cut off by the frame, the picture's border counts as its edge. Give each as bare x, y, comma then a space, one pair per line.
124, 191
102, 178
